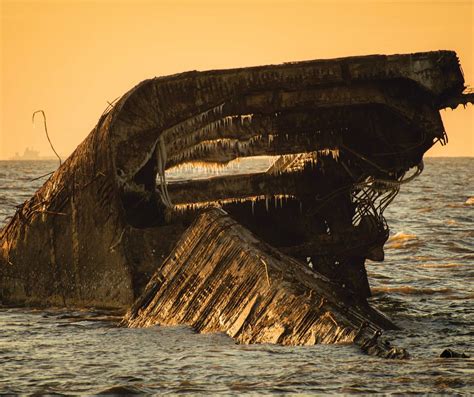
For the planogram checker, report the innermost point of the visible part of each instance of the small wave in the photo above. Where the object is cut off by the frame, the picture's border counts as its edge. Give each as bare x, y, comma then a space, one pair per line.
425, 209
424, 258
408, 290
469, 201
455, 205
401, 239
441, 265
460, 247
464, 297
121, 390
400, 236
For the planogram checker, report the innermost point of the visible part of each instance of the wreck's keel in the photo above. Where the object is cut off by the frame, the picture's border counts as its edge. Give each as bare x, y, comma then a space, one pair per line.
221, 278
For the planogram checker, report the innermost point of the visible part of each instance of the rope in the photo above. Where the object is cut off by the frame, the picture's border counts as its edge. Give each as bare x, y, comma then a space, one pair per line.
46, 130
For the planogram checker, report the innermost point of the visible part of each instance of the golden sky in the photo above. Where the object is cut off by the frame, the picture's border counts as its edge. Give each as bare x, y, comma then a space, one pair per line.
71, 57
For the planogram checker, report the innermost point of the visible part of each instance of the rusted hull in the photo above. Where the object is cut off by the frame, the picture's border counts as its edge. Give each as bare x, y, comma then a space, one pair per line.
101, 225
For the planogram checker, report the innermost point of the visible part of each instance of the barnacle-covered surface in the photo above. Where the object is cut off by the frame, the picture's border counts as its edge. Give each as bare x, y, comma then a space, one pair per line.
346, 133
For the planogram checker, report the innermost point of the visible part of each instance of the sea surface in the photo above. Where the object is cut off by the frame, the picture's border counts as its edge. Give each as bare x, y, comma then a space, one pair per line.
425, 285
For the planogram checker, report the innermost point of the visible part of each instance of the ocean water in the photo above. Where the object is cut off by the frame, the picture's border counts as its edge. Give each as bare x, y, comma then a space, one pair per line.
425, 285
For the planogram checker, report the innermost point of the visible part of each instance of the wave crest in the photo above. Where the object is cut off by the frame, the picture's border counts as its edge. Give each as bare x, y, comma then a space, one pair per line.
441, 265
401, 239
409, 290
469, 201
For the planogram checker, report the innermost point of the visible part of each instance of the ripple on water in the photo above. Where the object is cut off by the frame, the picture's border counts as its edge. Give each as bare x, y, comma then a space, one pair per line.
441, 265
424, 285
402, 240
410, 290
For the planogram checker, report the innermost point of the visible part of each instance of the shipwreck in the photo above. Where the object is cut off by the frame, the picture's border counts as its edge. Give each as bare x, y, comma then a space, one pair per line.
231, 253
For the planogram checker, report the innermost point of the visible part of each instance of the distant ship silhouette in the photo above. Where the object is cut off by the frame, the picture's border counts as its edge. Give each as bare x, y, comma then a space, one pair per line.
30, 154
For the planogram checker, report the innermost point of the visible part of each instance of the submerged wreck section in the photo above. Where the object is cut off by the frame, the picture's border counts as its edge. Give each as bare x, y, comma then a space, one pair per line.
347, 133
221, 278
